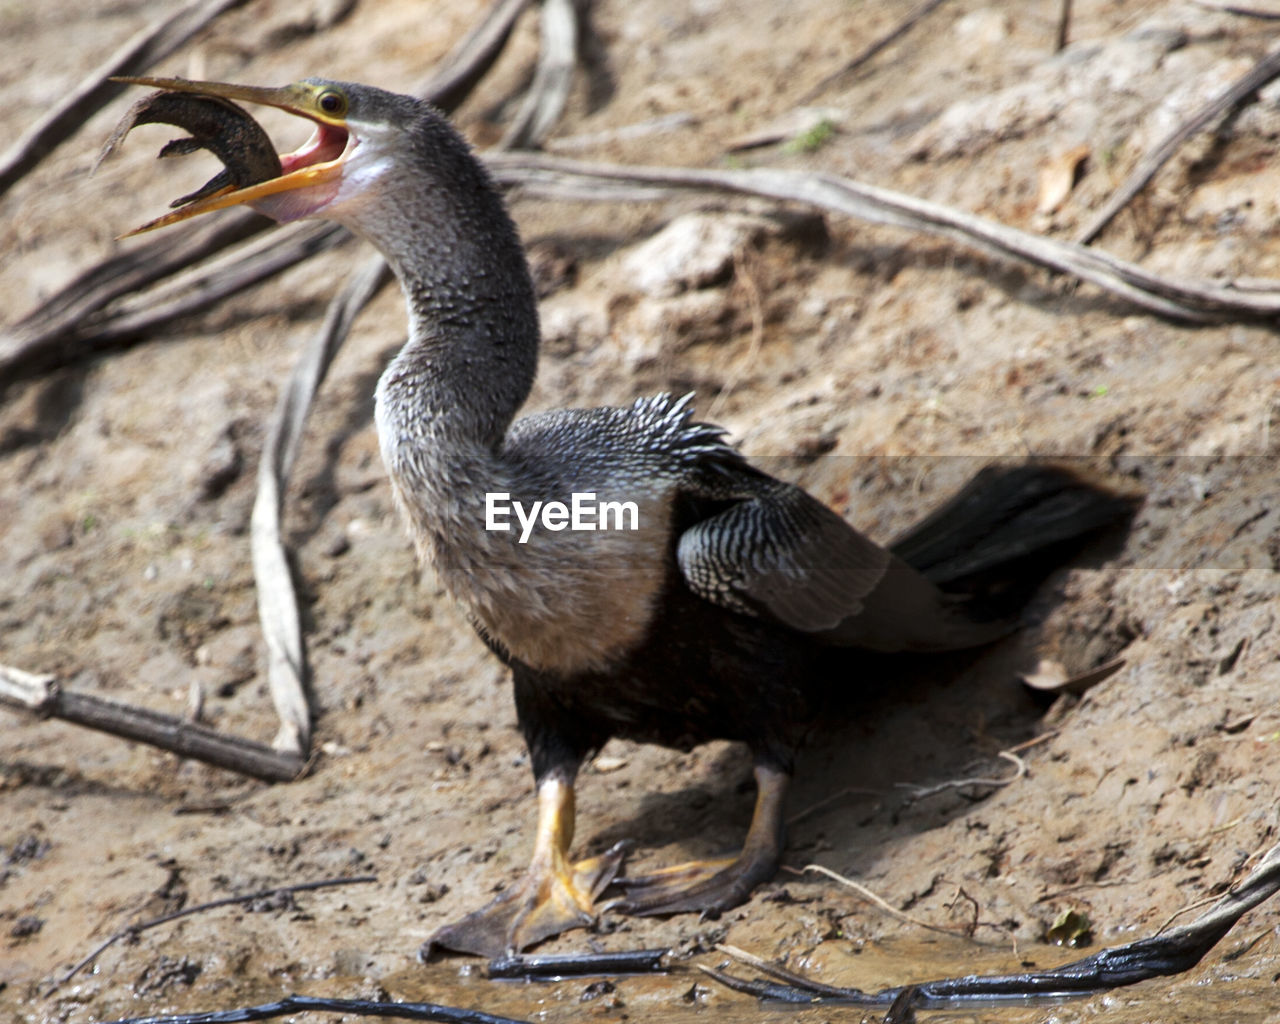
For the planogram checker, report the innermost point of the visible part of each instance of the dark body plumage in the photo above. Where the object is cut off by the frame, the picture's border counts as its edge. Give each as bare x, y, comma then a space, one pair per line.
715, 618
703, 672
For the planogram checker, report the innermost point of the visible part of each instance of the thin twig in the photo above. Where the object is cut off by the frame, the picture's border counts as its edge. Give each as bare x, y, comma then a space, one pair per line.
879, 901
553, 966
775, 970
1035, 741
355, 1007
138, 929
95, 91
917, 13
1247, 12
1197, 905
43, 696
1107, 883
828, 801
922, 792
1063, 32
1258, 76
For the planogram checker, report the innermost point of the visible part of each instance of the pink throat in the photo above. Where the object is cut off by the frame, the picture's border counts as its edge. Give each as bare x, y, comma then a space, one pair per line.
326, 144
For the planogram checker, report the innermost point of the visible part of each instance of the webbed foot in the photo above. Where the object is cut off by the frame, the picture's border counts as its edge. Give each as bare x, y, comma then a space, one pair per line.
554, 895
718, 884
550, 899
699, 885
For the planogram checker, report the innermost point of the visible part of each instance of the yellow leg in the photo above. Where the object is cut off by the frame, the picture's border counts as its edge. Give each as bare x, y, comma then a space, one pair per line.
553, 896
714, 885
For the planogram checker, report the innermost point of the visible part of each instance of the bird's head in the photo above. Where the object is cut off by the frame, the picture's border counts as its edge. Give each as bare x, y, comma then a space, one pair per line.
359, 131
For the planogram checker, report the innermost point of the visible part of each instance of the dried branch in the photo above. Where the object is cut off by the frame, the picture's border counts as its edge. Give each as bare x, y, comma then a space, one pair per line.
41, 695
277, 602
201, 288
473, 56
133, 930
1063, 32
78, 327
553, 966
1258, 76
1247, 12
1173, 952
1186, 299
832, 799
95, 91
355, 1007
547, 95
69, 317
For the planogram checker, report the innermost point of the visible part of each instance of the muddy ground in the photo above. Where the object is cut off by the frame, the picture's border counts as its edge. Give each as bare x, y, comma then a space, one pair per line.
858, 361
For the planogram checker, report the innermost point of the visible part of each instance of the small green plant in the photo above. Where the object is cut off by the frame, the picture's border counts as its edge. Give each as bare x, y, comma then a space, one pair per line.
812, 138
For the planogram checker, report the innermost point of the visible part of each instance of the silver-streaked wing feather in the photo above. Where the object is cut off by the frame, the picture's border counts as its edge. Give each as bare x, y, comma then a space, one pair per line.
780, 554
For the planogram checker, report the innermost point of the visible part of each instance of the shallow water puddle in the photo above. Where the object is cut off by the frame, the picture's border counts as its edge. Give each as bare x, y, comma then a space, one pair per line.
1242, 990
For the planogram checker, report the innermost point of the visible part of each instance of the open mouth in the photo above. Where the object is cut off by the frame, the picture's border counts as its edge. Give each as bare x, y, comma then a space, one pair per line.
328, 145
307, 179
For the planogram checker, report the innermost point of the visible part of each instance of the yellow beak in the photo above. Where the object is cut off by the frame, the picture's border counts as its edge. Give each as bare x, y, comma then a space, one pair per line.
300, 99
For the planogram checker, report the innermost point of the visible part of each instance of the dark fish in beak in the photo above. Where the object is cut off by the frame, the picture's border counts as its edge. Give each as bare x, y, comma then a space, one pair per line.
285, 187
218, 125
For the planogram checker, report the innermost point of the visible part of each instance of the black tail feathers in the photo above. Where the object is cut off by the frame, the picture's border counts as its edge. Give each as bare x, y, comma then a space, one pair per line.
1009, 527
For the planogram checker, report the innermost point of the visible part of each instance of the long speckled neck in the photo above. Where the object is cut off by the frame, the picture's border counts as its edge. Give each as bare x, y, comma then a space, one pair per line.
473, 317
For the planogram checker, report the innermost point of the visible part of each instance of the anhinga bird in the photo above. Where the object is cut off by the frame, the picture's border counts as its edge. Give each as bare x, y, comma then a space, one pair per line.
737, 603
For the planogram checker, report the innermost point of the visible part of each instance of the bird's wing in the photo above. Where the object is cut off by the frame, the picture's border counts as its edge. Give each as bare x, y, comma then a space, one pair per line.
778, 553
752, 544
781, 554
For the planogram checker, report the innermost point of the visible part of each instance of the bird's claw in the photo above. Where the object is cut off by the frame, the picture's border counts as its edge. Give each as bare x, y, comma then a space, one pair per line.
542, 904
707, 887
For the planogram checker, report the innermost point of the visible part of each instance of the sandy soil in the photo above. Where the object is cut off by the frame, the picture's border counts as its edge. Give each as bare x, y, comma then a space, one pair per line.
860, 362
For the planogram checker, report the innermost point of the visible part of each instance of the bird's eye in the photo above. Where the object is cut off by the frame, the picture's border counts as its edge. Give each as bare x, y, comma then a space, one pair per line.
332, 102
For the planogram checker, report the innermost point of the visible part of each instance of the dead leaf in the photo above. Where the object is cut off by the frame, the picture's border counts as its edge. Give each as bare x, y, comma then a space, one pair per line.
1052, 677
1072, 928
1058, 177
